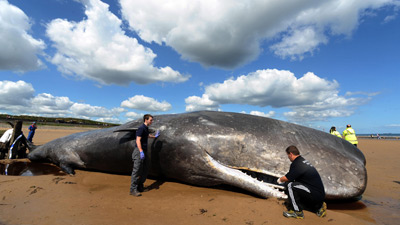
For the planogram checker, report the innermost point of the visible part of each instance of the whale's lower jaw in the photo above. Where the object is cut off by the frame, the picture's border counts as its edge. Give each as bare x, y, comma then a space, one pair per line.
260, 184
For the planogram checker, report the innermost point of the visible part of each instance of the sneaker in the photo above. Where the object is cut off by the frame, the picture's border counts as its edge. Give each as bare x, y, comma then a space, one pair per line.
135, 193
322, 211
294, 214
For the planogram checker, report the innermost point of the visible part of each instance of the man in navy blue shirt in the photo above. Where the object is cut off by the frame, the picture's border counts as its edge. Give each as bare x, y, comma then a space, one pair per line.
305, 189
139, 156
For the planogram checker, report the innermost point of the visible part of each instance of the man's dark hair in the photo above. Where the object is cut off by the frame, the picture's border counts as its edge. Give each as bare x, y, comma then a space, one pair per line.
332, 129
146, 117
292, 149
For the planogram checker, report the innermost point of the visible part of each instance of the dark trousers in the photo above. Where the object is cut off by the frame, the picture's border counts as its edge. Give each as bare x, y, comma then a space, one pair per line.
301, 197
140, 169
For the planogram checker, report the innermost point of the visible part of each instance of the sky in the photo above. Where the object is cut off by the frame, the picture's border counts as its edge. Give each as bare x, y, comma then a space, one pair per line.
310, 62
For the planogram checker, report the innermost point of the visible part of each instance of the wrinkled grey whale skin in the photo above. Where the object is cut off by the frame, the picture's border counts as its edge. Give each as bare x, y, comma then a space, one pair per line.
210, 148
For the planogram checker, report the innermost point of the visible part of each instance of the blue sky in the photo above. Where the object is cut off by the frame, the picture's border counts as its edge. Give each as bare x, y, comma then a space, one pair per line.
315, 63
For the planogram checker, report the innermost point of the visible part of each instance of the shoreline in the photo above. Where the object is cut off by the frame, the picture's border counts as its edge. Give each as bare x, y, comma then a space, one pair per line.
381, 137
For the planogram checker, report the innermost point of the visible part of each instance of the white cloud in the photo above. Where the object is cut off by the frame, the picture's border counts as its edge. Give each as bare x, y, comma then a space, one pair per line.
144, 103
134, 115
299, 42
89, 110
19, 98
389, 18
276, 88
195, 103
117, 111
47, 104
98, 49
310, 97
270, 114
233, 35
109, 120
321, 111
19, 50
14, 94
349, 93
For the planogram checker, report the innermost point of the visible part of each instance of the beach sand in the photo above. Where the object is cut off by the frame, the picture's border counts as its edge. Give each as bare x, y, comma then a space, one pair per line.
100, 198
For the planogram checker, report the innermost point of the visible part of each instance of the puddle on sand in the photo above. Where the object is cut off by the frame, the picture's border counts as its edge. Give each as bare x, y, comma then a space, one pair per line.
353, 208
29, 169
373, 210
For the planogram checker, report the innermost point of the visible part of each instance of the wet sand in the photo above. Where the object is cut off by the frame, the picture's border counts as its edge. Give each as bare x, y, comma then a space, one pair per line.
99, 198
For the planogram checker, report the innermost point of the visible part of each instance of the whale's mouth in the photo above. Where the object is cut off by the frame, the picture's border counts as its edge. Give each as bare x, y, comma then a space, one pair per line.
272, 180
259, 182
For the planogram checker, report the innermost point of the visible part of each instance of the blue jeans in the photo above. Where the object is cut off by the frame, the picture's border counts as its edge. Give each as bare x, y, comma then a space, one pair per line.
30, 136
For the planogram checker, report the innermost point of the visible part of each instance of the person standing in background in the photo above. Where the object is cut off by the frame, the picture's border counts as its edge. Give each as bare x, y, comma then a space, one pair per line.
32, 129
350, 135
333, 131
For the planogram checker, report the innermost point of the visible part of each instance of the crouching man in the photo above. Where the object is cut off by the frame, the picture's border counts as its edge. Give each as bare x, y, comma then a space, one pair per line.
305, 189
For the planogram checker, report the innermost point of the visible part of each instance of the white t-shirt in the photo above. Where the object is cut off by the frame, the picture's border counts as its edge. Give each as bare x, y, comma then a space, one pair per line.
6, 136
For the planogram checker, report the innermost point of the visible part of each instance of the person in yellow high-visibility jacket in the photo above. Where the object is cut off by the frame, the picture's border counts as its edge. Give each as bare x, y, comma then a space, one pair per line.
350, 135
333, 131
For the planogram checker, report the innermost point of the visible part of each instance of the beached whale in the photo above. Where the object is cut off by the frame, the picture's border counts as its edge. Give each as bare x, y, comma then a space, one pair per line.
209, 148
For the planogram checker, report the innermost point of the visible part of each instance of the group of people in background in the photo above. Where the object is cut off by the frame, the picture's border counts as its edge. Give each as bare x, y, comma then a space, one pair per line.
348, 134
